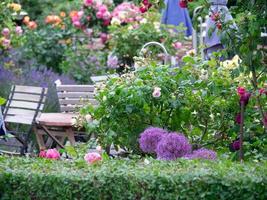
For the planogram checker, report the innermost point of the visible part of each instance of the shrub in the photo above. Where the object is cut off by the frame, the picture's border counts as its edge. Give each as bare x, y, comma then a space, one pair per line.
25, 178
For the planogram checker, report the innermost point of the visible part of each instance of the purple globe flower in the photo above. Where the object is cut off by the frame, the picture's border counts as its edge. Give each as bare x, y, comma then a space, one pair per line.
150, 138
202, 154
172, 146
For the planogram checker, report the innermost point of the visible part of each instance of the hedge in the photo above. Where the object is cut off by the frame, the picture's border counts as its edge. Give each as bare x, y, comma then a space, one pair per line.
28, 178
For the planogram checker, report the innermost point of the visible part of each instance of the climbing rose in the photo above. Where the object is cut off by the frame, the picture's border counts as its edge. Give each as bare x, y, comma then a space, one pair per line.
150, 138
52, 154
172, 146
92, 158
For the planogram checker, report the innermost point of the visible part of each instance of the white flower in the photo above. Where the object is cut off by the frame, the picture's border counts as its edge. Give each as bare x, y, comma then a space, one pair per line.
143, 21
157, 92
130, 27
73, 121
115, 21
88, 118
58, 82
195, 112
99, 148
146, 162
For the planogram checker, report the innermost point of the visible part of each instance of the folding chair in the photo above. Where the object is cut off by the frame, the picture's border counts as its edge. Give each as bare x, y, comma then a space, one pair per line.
58, 126
23, 106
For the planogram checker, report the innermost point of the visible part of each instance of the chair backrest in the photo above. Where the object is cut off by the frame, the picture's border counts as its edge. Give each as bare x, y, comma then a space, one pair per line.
24, 104
72, 97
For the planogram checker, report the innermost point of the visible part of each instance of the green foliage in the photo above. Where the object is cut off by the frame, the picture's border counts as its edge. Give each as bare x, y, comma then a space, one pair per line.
25, 178
128, 39
2, 101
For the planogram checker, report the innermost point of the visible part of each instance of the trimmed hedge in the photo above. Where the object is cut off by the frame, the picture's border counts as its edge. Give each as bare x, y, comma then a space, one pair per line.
25, 178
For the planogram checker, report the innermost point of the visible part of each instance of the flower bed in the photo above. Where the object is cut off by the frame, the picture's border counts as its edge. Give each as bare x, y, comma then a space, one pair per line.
130, 179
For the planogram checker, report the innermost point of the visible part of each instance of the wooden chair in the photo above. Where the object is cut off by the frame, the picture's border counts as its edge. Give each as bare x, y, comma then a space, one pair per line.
23, 106
59, 126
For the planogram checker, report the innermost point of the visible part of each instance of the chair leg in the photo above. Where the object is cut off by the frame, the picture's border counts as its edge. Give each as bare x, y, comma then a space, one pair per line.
70, 135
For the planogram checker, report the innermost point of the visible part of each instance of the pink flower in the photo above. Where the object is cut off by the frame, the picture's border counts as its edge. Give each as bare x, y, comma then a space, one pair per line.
177, 45
5, 32
106, 15
157, 92
261, 91
6, 43
241, 91
88, 2
52, 154
92, 158
99, 15
106, 22
102, 9
42, 154
77, 24
104, 37
80, 13
18, 30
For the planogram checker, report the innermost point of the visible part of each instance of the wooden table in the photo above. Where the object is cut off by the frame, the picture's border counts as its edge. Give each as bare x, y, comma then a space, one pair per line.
45, 124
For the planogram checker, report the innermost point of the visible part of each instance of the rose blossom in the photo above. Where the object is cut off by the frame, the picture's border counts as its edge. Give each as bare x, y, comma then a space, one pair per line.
5, 32
18, 30
92, 158
177, 45
52, 154
88, 2
6, 43
42, 154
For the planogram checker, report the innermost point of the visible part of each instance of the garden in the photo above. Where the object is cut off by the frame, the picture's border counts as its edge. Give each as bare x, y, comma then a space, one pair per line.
114, 99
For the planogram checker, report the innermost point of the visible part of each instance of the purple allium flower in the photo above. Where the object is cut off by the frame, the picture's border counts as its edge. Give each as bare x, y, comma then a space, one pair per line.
235, 145
202, 154
113, 62
172, 146
150, 138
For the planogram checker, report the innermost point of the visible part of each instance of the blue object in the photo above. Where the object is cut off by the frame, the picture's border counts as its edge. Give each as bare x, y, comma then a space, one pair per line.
213, 42
175, 15
2, 125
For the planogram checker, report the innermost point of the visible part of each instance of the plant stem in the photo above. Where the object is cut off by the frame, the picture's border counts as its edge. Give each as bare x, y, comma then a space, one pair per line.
241, 133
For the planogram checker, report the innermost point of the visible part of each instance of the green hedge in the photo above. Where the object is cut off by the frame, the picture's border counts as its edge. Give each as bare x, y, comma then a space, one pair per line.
25, 178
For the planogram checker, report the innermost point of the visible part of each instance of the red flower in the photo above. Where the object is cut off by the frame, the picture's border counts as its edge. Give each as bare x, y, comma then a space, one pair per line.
245, 98
183, 3
219, 25
262, 91
143, 9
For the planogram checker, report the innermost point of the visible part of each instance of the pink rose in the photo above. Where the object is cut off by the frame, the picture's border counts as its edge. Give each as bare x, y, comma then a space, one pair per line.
99, 15
18, 30
241, 91
5, 32
52, 154
42, 154
92, 158
80, 13
177, 45
102, 8
77, 24
88, 2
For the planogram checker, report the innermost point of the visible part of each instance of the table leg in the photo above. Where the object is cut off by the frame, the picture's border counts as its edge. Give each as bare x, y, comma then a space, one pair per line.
70, 135
52, 136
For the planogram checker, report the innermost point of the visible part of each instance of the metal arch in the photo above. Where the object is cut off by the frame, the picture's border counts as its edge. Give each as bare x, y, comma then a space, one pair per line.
157, 44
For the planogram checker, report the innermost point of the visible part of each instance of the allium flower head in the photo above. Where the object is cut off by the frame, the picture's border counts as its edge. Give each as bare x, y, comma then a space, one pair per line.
173, 145
202, 154
150, 138
112, 62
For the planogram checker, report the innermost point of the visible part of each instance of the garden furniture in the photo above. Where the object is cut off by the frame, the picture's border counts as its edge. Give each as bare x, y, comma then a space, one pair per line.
23, 106
59, 126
